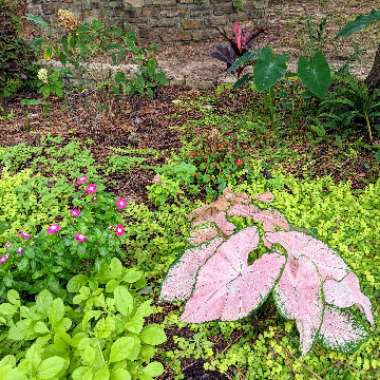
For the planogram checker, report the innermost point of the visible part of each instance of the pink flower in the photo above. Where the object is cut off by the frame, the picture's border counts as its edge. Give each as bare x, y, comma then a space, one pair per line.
121, 203
81, 180
91, 188
80, 238
24, 235
53, 229
75, 212
20, 251
3, 259
119, 231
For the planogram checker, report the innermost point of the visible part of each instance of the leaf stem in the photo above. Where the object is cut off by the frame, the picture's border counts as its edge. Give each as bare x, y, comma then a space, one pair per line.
368, 126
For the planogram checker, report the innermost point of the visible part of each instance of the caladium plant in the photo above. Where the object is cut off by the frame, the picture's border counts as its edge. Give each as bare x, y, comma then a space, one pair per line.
310, 283
237, 46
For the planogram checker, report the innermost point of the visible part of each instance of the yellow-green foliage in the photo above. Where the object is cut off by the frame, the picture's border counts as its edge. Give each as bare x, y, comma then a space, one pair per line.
28, 201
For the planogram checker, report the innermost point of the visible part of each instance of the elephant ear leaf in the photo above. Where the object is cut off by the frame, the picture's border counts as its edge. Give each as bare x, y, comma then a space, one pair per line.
339, 331
227, 287
360, 23
315, 74
269, 68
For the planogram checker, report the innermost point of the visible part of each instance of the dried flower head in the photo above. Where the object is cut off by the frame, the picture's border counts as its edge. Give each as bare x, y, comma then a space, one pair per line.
67, 20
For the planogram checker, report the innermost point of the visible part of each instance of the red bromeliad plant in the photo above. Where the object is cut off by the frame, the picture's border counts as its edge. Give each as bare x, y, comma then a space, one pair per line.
310, 283
237, 46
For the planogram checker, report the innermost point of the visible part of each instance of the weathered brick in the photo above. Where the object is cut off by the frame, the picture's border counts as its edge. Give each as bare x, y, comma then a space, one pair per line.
191, 24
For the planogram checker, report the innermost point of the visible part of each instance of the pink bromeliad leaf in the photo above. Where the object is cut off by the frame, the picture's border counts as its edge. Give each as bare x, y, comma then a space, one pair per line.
340, 331
227, 287
298, 296
238, 35
347, 293
181, 277
328, 263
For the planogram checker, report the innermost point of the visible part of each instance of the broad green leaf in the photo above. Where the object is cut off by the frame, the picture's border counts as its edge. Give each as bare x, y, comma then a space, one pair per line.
21, 330
44, 302
7, 309
132, 275
105, 327
145, 309
82, 373
360, 23
76, 282
120, 374
153, 334
57, 311
125, 348
13, 297
102, 374
41, 328
38, 20
123, 300
88, 355
269, 68
242, 61
153, 369
50, 367
315, 74
135, 324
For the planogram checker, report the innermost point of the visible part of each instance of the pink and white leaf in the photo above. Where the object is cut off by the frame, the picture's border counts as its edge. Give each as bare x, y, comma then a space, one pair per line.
297, 244
298, 296
267, 197
347, 293
340, 331
246, 211
219, 219
203, 234
271, 220
227, 287
181, 277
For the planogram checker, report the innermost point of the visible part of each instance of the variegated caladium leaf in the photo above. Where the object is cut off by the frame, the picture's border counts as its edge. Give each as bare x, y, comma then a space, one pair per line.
339, 330
298, 296
328, 263
310, 282
227, 288
181, 277
346, 293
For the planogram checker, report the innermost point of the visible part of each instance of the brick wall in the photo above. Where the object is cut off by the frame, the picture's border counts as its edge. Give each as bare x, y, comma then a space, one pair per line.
161, 20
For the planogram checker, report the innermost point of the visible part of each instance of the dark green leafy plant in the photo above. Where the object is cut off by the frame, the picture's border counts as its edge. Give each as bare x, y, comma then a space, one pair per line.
350, 106
100, 334
89, 231
80, 42
17, 70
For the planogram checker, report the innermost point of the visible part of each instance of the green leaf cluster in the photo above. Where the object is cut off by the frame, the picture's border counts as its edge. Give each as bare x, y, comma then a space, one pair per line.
101, 334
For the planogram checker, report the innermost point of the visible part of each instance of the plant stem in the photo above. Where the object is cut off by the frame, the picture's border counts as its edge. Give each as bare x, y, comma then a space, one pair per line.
270, 105
368, 126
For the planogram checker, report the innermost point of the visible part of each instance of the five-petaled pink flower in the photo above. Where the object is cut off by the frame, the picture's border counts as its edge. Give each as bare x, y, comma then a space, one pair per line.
53, 229
80, 238
24, 235
119, 230
3, 259
91, 188
81, 180
121, 203
75, 212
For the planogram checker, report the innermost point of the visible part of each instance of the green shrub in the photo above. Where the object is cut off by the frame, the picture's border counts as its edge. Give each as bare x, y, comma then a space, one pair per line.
16, 59
101, 334
45, 257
